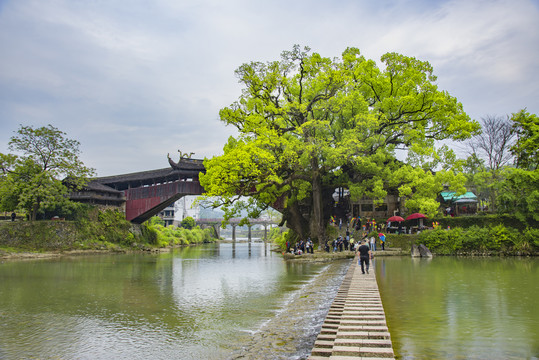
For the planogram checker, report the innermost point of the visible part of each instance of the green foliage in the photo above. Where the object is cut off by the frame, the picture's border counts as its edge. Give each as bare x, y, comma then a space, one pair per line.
149, 233
92, 229
115, 227
162, 236
104, 226
67, 210
518, 193
156, 220
40, 178
274, 234
480, 240
309, 124
188, 223
487, 220
417, 187
281, 238
526, 149
95, 229
528, 239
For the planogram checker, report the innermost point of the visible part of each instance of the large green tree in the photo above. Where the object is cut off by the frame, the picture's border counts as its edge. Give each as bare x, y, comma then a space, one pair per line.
309, 124
526, 147
491, 171
44, 167
518, 187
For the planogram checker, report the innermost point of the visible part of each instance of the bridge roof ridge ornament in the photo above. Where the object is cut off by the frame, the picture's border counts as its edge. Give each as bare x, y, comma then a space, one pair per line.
185, 162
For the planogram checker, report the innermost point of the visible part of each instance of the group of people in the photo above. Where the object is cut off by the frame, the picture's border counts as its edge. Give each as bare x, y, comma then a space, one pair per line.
348, 244
301, 247
341, 244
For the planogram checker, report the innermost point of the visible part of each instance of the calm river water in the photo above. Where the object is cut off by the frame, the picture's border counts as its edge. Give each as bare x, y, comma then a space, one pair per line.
242, 301
461, 308
218, 301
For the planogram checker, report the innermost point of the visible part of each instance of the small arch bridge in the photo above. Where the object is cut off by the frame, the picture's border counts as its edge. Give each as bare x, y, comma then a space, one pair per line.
216, 224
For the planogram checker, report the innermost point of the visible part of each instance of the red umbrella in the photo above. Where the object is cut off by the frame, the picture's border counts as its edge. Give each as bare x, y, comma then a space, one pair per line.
395, 218
416, 216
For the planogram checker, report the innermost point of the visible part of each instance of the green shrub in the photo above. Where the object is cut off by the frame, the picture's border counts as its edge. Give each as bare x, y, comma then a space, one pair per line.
149, 234
482, 220
156, 220
281, 239
162, 236
188, 223
528, 241
498, 235
474, 239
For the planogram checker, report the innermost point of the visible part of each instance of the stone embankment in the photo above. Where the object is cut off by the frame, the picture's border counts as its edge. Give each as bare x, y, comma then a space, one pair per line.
355, 327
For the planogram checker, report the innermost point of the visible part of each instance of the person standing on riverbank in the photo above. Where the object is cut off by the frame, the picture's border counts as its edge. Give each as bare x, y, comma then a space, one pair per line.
364, 254
373, 243
309, 246
382, 240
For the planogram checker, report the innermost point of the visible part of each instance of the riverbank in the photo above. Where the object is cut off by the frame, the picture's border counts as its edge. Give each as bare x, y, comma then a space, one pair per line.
322, 256
108, 233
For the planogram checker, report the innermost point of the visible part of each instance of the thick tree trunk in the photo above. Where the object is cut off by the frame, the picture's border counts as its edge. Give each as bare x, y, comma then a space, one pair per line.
33, 214
295, 220
317, 221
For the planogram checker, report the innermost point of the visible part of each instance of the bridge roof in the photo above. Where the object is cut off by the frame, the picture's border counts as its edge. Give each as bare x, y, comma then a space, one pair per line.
189, 169
97, 186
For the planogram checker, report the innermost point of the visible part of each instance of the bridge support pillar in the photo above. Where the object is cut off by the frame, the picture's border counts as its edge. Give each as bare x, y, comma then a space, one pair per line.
249, 234
217, 229
233, 232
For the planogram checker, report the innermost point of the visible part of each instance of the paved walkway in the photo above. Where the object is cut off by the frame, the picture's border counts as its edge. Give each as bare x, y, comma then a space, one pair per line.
355, 327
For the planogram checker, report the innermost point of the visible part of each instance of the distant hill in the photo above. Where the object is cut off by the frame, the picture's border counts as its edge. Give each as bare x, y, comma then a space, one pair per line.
210, 213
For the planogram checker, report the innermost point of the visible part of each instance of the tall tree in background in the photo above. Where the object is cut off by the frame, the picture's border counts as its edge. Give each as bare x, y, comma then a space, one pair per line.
518, 190
491, 148
33, 180
309, 124
510, 186
526, 147
494, 142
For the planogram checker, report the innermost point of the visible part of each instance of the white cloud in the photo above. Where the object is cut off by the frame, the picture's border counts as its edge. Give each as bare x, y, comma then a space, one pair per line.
135, 80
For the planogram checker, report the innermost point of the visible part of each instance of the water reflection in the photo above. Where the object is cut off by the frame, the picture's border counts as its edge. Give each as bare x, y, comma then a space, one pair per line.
191, 303
461, 307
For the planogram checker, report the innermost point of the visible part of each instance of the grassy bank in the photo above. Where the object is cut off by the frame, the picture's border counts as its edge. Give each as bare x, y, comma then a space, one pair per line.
474, 240
96, 231
493, 239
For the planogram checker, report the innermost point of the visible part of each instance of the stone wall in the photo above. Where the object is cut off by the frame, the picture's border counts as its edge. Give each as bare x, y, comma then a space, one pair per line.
49, 235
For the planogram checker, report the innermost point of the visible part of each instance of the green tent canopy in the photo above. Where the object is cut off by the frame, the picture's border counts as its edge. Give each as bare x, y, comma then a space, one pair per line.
450, 196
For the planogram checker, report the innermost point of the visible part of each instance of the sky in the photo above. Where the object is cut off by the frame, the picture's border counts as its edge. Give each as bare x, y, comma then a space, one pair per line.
136, 80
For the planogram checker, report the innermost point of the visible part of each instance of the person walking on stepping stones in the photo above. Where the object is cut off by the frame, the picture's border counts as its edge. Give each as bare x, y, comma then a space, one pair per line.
364, 253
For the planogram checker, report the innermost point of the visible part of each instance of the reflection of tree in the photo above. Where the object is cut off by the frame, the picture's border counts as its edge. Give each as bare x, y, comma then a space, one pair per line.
459, 306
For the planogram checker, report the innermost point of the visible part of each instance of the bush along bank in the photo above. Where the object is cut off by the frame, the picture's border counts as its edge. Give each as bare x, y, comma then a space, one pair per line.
158, 235
474, 240
95, 230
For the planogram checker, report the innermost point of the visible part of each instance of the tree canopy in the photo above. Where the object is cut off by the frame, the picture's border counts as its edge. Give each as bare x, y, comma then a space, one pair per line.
502, 166
37, 176
309, 124
526, 148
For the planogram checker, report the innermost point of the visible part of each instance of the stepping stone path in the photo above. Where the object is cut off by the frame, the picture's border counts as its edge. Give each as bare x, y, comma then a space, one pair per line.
355, 326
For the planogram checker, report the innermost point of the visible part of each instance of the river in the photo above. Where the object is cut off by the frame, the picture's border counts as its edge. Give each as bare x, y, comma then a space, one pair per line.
242, 301
461, 307
215, 301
